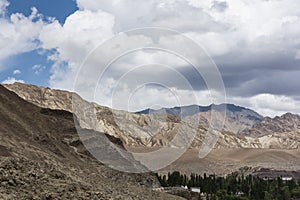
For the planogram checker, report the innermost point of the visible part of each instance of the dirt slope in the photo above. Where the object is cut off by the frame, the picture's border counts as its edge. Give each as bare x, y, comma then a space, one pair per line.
41, 157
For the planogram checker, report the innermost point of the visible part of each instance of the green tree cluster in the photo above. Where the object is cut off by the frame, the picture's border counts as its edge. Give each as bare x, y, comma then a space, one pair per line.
235, 186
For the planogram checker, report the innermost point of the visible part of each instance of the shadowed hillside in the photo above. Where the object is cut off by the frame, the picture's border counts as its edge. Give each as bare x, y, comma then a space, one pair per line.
41, 157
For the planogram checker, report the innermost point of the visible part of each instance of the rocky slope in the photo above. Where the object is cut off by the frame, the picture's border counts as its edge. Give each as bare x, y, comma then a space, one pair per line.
273, 143
286, 123
41, 157
135, 130
158, 129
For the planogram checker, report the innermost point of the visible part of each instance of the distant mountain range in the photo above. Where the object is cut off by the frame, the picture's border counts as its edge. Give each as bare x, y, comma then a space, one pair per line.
237, 118
243, 129
186, 111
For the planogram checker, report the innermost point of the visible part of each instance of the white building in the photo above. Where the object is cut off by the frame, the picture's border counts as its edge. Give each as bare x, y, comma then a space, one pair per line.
287, 178
194, 189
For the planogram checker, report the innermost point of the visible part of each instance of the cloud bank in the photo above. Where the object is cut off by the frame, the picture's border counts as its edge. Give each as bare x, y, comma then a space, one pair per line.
255, 45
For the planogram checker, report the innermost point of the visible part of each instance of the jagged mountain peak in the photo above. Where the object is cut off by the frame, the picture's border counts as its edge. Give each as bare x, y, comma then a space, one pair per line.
237, 118
286, 123
193, 109
289, 115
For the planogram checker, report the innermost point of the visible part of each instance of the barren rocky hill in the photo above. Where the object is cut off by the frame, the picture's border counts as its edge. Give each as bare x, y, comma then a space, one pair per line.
287, 123
41, 157
106, 118
277, 148
156, 130
135, 130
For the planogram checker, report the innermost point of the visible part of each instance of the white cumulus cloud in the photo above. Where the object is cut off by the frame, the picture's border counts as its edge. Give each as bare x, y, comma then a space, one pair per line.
81, 32
246, 40
3, 5
11, 80
19, 34
17, 71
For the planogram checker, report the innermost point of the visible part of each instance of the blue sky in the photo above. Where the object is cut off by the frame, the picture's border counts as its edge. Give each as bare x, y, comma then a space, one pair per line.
25, 62
256, 47
52, 8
